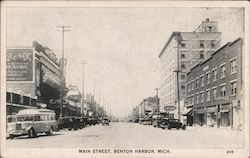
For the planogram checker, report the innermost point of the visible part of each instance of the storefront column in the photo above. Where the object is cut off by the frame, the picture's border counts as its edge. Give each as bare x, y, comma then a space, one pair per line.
218, 116
231, 115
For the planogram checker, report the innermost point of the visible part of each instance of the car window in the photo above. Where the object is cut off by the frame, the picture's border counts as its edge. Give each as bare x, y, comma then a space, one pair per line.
25, 118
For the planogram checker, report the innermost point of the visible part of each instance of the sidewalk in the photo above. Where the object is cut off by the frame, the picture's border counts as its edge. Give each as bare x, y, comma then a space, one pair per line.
222, 131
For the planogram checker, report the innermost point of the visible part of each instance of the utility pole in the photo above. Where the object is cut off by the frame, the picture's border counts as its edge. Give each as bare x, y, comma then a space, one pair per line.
83, 73
62, 28
177, 80
158, 105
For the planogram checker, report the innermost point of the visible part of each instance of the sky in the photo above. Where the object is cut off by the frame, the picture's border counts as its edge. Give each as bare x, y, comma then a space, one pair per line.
120, 45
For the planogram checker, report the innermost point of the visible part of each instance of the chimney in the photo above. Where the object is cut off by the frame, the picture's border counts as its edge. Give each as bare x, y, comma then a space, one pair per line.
207, 19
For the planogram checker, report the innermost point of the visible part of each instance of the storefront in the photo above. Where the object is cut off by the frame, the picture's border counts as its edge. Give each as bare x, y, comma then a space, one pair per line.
200, 116
212, 115
224, 115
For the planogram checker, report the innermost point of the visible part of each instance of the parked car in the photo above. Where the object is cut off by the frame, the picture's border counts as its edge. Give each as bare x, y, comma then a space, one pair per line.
157, 120
105, 121
147, 121
69, 122
83, 122
92, 121
171, 123
31, 122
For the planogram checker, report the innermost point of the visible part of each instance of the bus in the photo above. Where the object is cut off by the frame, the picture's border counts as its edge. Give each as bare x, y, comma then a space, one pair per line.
31, 122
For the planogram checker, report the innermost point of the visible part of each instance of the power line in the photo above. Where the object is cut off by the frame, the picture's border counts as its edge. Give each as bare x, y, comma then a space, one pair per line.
83, 73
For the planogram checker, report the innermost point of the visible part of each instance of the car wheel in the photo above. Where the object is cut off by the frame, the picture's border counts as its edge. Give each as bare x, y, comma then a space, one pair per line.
69, 129
184, 127
32, 133
11, 136
75, 126
50, 132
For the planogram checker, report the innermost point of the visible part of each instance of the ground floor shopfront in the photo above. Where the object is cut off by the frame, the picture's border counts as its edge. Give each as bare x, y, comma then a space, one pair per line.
219, 115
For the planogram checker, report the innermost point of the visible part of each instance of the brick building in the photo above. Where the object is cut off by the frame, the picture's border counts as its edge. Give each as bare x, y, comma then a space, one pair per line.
181, 52
215, 88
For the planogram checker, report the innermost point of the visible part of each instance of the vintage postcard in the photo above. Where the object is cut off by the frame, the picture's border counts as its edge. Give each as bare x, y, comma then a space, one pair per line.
124, 79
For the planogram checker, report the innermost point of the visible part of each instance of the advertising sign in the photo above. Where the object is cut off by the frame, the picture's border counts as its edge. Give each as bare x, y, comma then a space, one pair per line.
20, 65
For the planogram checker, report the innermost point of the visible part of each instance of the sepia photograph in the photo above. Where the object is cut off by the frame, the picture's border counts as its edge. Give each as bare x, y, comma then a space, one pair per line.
124, 79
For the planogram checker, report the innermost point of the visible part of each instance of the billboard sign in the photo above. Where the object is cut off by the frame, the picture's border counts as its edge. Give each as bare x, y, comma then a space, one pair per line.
20, 65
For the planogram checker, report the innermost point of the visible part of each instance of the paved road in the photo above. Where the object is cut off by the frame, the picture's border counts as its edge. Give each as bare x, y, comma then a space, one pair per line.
129, 135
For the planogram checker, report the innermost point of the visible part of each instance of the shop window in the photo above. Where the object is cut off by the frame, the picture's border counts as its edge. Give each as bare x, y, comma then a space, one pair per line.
233, 64
233, 88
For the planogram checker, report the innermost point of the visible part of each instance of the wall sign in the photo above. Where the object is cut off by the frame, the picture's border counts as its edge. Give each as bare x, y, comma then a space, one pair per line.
20, 65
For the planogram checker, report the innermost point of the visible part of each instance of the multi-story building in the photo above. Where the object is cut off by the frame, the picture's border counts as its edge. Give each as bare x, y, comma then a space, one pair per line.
34, 72
181, 52
215, 88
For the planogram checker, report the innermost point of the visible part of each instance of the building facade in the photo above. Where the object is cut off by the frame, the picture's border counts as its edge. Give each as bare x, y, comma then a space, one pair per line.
215, 88
34, 72
182, 51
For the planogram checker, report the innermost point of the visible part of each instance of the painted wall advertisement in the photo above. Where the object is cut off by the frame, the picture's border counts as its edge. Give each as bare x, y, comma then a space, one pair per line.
20, 65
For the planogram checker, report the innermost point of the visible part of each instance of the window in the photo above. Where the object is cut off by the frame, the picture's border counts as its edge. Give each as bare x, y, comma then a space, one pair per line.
188, 87
208, 78
223, 90
215, 75
201, 54
183, 87
183, 66
191, 100
233, 66
213, 44
233, 88
37, 118
197, 83
214, 93
197, 98
183, 56
201, 44
183, 45
208, 95
223, 71
183, 77
202, 97
202, 80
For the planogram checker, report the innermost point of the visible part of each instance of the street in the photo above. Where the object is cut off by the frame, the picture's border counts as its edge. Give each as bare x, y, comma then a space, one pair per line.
130, 135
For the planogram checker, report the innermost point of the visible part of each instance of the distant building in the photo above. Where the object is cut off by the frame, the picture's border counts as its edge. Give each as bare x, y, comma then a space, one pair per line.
215, 88
148, 106
182, 51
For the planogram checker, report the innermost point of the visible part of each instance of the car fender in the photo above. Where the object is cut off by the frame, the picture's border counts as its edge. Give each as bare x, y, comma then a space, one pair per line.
28, 128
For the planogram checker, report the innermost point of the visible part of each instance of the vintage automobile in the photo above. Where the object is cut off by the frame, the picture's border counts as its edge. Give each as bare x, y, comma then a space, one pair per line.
105, 121
92, 121
83, 122
171, 123
157, 120
147, 121
31, 122
69, 122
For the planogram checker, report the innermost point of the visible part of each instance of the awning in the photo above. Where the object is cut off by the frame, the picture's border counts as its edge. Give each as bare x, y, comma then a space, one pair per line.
187, 112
